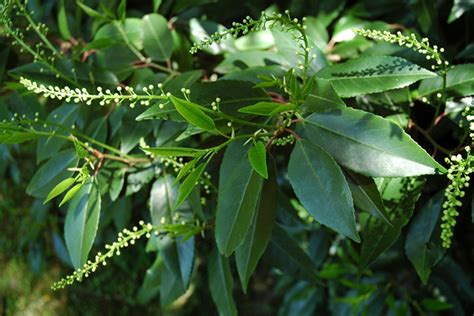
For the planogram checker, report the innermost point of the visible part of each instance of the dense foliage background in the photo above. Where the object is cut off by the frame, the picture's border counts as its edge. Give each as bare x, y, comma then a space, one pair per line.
107, 39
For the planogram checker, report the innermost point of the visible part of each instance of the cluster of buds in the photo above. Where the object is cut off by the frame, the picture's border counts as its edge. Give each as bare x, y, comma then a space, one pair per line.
423, 47
458, 174
103, 96
125, 238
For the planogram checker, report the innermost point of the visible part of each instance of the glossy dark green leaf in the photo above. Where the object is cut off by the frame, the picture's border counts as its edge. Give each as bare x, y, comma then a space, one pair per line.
258, 158
152, 281
249, 253
193, 114
178, 255
423, 244
373, 74
221, 284
65, 115
459, 81
239, 190
286, 249
320, 186
322, 97
267, 108
59, 188
460, 7
368, 144
400, 196
171, 287
175, 151
82, 221
132, 131
157, 40
366, 196
51, 173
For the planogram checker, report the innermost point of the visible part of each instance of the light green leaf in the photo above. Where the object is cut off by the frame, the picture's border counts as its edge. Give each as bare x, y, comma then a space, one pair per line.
371, 74
459, 81
188, 184
175, 151
239, 190
17, 137
267, 108
62, 22
258, 158
91, 12
423, 244
51, 173
368, 144
193, 114
157, 39
59, 188
221, 284
161, 111
320, 186
249, 253
70, 194
82, 221
322, 97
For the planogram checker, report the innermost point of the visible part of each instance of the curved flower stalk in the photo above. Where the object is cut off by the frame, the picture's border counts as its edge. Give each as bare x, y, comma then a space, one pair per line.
126, 238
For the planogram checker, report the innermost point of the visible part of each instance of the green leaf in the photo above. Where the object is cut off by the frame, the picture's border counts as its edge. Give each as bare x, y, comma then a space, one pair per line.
59, 188
82, 221
459, 81
51, 173
188, 184
151, 283
65, 115
460, 7
193, 114
366, 196
423, 244
70, 194
221, 284
178, 255
130, 31
322, 97
369, 144
161, 111
17, 137
91, 12
371, 74
286, 250
175, 151
122, 10
239, 190
116, 183
249, 253
234, 94
156, 5
62, 22
267, 108
258, 158
157, 39
400, 196
317, 180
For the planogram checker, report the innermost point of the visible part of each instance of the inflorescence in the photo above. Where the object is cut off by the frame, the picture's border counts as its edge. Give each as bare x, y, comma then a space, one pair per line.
125, 238
284, 21
104, 96
459, 175
423, 47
